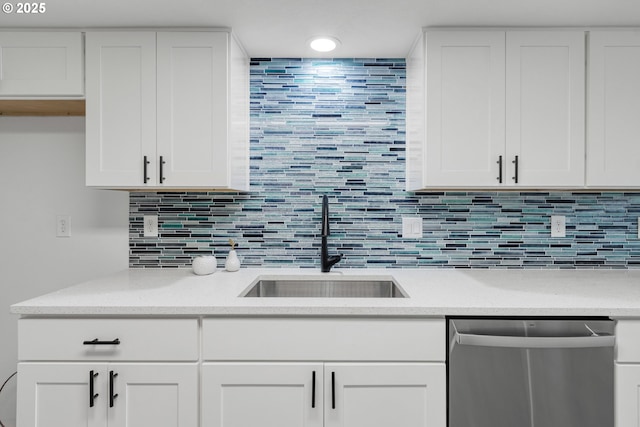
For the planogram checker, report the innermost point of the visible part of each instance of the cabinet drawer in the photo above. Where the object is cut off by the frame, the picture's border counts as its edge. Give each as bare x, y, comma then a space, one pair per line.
139, 339
326, 339
627, 341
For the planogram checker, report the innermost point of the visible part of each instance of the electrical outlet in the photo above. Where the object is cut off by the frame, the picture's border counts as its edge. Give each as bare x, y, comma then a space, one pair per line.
558, 226
639, 227
150, 226
63, 226
411, 227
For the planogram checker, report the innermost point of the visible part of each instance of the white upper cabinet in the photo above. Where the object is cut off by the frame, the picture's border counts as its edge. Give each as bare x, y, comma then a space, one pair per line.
545, 108
464, 108
121, 108
167, 110
192, 107
613, 150
41, 64
500, 110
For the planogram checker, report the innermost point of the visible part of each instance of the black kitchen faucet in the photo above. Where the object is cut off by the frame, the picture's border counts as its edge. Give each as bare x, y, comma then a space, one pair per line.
327, 261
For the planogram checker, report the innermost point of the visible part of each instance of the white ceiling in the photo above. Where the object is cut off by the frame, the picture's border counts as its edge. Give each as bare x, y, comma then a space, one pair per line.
366, 28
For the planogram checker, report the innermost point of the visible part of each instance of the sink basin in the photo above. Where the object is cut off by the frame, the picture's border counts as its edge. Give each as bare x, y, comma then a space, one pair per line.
322, 287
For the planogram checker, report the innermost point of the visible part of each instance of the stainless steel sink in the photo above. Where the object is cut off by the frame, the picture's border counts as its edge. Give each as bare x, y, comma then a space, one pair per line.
320, 287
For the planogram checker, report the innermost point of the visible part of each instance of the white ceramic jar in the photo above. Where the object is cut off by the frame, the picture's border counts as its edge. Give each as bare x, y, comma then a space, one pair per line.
203, 265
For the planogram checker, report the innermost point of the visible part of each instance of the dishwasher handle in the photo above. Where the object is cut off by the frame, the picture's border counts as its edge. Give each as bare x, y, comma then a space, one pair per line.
594, 340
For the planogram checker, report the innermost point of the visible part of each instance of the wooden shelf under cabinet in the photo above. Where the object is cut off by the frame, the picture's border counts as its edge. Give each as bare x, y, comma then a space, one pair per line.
40, 107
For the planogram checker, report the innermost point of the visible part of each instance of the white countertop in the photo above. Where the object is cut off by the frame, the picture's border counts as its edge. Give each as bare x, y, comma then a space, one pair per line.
432, 292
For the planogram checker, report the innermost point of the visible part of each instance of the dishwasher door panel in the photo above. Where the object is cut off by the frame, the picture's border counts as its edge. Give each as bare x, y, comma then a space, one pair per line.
493, 386
488, 387
572, 387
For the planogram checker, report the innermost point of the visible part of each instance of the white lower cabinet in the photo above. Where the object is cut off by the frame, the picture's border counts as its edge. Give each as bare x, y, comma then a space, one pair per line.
323, 372
329, 394
158, 395
262, 394
108, 394
232, 372
57, 395
627, 395
108, 372
385, 394
627, 374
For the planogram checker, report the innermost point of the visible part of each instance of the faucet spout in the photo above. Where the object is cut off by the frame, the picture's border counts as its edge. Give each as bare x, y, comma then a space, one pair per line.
325, 216
327, 261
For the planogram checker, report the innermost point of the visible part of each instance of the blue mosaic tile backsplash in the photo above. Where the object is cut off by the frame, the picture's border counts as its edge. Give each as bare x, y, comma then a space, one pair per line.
337, 127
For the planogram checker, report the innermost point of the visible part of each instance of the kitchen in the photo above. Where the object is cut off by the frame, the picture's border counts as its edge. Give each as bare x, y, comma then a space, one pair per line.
352, 150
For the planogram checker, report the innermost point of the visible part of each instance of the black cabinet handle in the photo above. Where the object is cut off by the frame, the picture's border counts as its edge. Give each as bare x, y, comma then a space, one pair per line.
313, 389
96, 341
112, 396
333, 390
162, 163
499, 162
92, 396
515, 162
145, 162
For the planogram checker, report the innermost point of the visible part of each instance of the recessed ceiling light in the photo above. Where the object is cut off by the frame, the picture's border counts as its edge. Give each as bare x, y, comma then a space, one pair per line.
324, 43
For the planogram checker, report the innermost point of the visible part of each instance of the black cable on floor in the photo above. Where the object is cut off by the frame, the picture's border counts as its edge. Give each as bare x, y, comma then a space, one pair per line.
2, 387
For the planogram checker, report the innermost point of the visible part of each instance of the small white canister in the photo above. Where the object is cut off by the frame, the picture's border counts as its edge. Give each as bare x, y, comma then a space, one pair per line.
203, 265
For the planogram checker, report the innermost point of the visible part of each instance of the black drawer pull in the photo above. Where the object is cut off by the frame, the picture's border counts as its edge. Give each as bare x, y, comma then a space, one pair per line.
145, 162
112, 396
515, 162
96, 341
162, 163
333, 390
313, 389
92, 396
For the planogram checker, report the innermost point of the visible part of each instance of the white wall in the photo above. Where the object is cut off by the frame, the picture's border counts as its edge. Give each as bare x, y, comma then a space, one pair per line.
41, 176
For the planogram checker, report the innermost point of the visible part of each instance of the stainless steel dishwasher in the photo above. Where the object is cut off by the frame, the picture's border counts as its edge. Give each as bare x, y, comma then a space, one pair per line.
530, 373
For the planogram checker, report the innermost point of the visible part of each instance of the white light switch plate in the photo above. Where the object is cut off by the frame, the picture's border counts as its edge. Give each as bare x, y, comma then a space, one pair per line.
63, 226
411, 227
558, 226
150, 225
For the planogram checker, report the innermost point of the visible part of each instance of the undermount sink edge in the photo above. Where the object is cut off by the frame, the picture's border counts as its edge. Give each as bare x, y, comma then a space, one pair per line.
324, 286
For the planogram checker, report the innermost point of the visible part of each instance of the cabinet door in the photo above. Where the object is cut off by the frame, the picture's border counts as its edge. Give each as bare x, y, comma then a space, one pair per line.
465, 107
41, 64
382, 395
58, 395
158, 395
627, 395
262, 394
613, 149
121, 108
545, 108
192, 108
